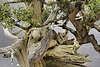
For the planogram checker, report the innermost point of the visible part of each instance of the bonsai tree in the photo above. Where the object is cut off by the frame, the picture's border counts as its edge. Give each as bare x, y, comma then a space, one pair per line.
40, 45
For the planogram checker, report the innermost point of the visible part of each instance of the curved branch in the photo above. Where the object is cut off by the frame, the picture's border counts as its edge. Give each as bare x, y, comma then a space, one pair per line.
93, 26
19, 51
67, 28
93, 20
83, 12
66, 11
15, 33
97, 27
94, 43
9, 35
14, 46
4, 50
68, 42
53, 21
24, 28
97, 18
51, 17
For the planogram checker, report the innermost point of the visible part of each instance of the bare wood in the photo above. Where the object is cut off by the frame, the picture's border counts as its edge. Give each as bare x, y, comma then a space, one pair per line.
9, 35
20, 52
42, 49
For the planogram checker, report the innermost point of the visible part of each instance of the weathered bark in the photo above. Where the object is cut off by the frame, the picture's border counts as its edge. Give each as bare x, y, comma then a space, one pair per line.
36, 5
22, 55
60, 56
94, 43
36, 57
19, 51
39, 53
43, 47
82, 31
65, 56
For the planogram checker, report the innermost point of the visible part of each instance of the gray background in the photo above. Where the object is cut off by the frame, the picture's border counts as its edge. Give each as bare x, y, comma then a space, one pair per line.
85, 49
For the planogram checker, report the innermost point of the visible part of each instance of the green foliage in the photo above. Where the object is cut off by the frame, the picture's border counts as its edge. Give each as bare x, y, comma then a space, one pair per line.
47, 10
35, 21
49, 1
45, 13
52, 6
93, 8
22, 14
10, 16
5, 15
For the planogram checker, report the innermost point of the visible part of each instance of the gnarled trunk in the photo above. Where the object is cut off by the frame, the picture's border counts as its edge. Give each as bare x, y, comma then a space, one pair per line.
36, 5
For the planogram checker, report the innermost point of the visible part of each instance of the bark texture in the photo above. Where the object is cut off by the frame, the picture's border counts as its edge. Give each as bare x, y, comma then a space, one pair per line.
42, 46
37, 6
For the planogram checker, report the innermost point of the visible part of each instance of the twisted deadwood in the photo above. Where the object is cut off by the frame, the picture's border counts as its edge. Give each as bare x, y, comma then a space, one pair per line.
83, 39
33, 58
